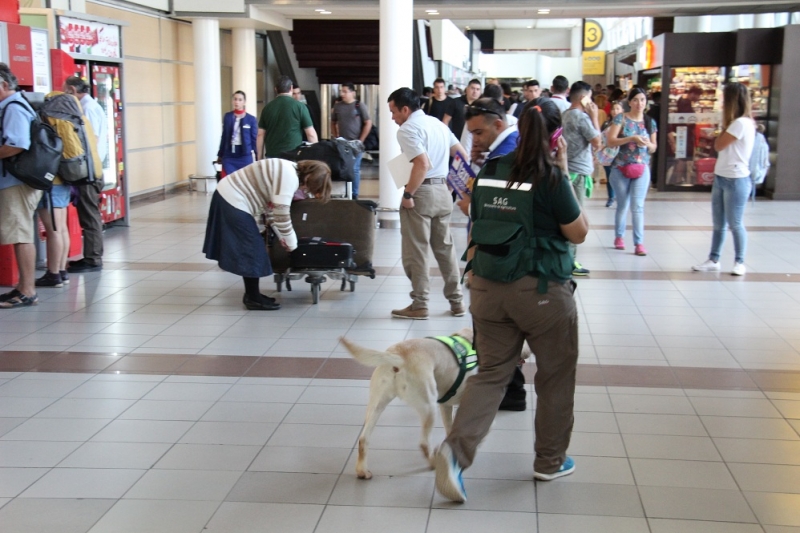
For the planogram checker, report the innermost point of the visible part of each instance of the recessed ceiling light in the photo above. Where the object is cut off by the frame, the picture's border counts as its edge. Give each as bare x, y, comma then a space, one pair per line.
544, 11
319, 10
466, 27
324, 12
431, 11
529, 27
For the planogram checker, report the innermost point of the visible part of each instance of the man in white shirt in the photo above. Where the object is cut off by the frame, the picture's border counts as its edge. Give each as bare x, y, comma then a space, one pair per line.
559, 92
427, 205
89, 191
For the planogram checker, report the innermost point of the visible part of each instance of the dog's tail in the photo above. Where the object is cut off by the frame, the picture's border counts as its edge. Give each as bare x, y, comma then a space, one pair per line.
369, 357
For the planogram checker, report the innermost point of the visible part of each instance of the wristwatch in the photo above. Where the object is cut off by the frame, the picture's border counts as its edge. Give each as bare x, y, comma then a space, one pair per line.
407, 195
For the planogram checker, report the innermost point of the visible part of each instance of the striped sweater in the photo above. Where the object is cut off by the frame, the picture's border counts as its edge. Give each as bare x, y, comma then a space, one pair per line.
266, 186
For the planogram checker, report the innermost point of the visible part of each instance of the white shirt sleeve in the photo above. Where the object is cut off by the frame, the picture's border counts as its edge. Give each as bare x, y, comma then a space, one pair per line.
410, 144
736, 128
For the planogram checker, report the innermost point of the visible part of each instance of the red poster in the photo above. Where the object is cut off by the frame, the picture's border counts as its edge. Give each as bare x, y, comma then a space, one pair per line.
20, 57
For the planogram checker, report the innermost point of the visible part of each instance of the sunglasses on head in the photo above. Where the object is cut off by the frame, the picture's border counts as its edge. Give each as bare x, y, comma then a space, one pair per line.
474, 110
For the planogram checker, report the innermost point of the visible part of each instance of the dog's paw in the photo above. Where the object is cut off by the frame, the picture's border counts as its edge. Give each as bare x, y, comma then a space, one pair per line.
364, 475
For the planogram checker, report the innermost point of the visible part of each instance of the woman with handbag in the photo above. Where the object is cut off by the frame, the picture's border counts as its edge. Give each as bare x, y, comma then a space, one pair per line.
635, 135
732, 181
237, 147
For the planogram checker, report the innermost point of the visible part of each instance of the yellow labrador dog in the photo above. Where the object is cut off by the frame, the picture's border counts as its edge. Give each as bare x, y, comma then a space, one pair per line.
420, 372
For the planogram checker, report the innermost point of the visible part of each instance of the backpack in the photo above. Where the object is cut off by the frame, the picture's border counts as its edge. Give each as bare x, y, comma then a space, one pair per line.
37, 166
605, 155
79, 158
337, 154
759, 160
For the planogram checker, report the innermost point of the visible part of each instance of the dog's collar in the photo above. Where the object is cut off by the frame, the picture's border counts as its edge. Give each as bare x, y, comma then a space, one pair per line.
466, 357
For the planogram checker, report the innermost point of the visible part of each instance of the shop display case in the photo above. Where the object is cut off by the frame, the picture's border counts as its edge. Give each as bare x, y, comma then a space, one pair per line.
694, 116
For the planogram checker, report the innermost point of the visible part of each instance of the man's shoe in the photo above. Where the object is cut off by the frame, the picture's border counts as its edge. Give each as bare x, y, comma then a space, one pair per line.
707, 266
610, 202
260, 305
412, 314
578, 270
49, 280
64, 276
458, 309
738, 269
449, 482
81, 266
566, 469
512, 403
619, 243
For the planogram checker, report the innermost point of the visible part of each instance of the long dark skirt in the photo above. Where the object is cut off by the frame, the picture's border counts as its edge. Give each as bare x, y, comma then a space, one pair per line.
232, 239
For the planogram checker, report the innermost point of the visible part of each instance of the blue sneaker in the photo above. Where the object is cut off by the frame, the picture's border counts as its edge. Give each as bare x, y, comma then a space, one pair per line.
448, 475
566, 469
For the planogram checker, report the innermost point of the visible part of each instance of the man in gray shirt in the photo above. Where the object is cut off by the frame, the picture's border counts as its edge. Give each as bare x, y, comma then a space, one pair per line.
582, 133
350, 120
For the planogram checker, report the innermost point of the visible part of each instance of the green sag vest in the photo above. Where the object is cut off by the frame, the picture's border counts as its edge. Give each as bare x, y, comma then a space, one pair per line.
466, 357
509, 247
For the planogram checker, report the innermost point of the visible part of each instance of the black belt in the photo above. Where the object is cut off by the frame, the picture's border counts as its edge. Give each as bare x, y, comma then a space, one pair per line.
433, 181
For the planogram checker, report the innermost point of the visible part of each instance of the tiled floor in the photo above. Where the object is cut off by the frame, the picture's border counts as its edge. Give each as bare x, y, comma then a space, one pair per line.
146, 398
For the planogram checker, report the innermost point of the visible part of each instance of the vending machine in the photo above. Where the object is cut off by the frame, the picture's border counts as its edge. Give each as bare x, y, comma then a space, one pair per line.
96, 49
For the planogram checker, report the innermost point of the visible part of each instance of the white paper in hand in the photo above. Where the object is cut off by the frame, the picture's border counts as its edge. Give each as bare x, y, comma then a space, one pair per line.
400, 169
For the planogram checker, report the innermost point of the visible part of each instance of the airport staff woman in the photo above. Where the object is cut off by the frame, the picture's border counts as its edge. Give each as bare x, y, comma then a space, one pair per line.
523, 212
237, 147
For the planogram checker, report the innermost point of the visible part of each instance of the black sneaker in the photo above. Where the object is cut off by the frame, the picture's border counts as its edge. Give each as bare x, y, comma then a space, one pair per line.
78, 267
261, 304
578, 270
513, 403
50, 280
64, 277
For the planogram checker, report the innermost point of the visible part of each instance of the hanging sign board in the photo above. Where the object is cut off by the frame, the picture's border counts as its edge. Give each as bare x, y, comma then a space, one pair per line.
85, 37
592, 34
594, 63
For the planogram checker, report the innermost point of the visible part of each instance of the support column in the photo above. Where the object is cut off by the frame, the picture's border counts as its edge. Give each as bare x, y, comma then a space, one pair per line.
207, 98
396, 70
764, 20
703, 24
244, 65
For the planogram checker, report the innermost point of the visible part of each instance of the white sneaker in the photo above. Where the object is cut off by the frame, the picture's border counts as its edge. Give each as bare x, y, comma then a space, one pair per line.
707, 266
738, 269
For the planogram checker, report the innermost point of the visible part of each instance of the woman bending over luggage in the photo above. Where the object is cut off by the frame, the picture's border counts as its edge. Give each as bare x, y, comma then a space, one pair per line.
523, 212
232, 236
237, 147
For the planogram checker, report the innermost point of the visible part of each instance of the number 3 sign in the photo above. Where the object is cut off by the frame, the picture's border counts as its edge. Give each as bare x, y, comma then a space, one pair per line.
592, 34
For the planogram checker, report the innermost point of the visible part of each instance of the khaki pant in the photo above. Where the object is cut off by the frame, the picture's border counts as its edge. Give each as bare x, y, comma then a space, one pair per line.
505, 315
17, 206
427, 226
91, 221
579, 186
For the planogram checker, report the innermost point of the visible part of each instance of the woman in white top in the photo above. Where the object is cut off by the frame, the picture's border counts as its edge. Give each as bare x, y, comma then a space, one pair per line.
232, 236
732, 177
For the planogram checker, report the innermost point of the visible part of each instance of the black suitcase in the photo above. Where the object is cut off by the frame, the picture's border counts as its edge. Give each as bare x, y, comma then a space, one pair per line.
336, 154
313, 252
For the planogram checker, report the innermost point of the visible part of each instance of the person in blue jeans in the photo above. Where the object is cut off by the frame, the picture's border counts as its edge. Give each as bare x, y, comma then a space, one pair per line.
635, 134
351, 121
616, 109
732, 182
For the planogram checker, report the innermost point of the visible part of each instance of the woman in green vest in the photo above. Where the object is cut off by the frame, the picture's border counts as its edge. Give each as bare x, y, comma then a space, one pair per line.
523, 213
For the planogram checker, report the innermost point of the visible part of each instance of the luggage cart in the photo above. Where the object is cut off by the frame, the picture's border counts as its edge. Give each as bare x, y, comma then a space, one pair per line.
350, 221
